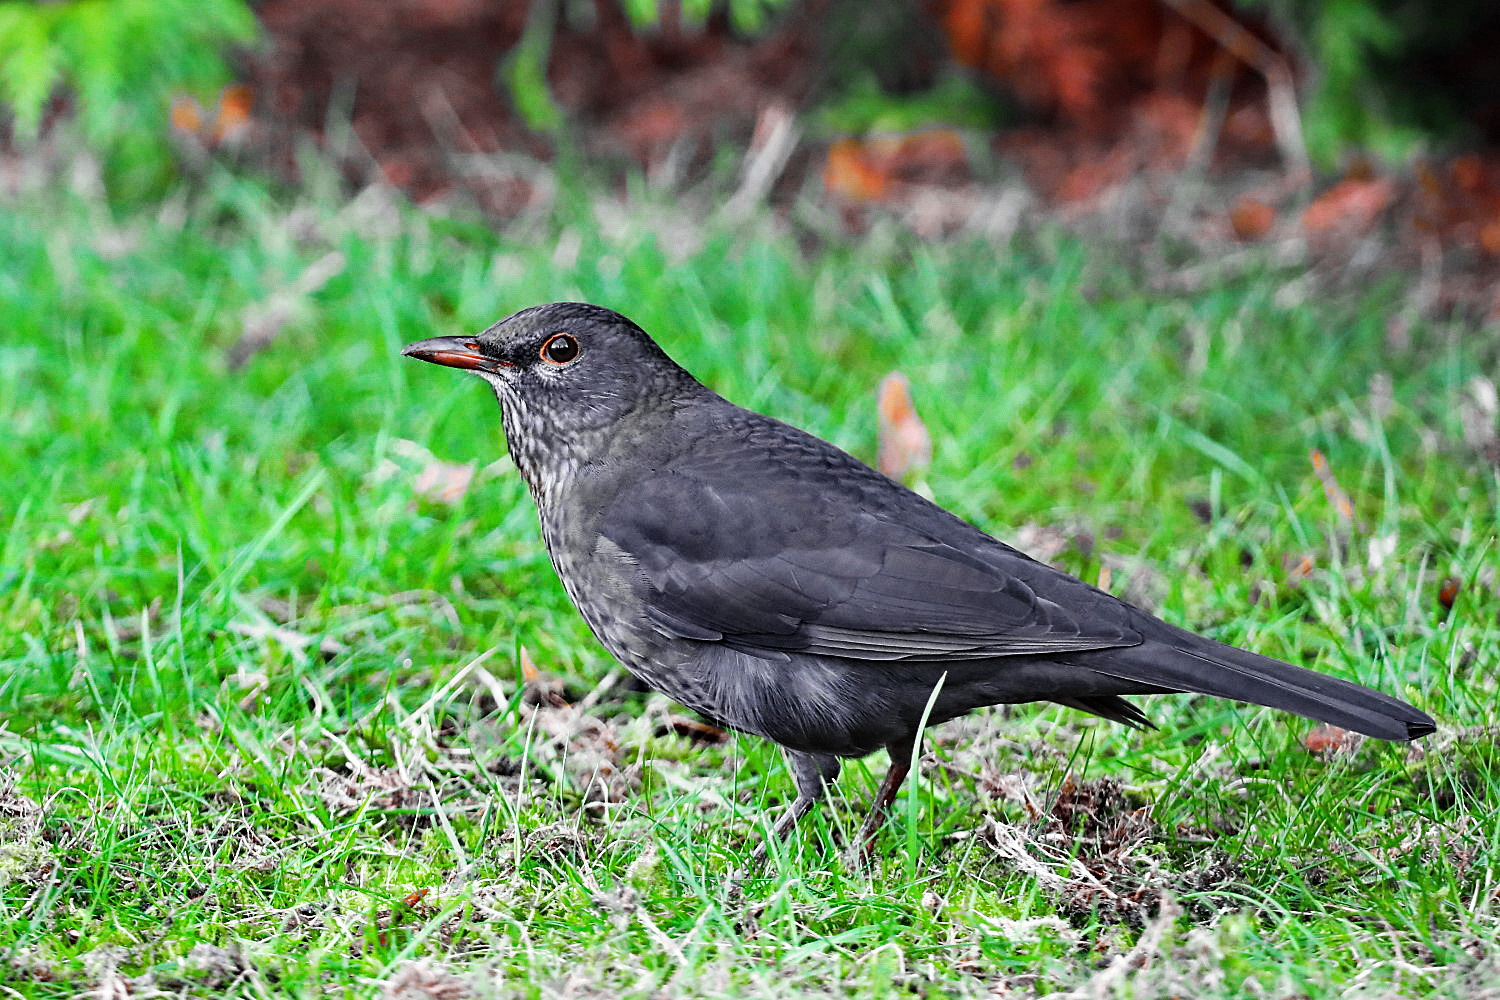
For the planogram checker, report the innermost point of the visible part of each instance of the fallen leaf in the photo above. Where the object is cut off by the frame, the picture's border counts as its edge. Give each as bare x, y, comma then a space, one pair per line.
905, 445
1251, 218
227, 123
1351, 207
540, 689
871, 169
529, 673
1302, 569
1331, 488
186, 114
1448, 592
235, 104
847, 172
1328, 740
696, 730
444, 482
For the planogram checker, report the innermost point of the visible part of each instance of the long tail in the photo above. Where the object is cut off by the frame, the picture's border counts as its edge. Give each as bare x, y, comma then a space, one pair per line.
1183, 661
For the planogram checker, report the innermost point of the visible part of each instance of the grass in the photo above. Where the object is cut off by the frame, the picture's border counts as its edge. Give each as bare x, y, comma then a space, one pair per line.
264, 727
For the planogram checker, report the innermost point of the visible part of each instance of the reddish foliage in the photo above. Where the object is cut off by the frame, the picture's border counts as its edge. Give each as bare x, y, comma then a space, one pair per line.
1459, 202
1124, 92
1089, 61
1124, 83
1076, 58
421, 78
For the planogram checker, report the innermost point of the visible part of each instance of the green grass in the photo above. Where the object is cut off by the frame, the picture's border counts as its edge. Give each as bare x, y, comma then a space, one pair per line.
193, 801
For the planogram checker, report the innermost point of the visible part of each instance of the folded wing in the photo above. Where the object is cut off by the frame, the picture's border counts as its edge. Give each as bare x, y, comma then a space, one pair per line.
805, 572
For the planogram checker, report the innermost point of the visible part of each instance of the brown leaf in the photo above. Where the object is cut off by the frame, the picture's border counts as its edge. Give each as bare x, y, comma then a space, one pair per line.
235, 104
696, 730
1448, 592
1301, 569
187, 114
540, 689
847, 172
905, 444
529, 673
872, 169
1351, 207
227, 123
1328, 740
1331, 488
444, 482
1251, 218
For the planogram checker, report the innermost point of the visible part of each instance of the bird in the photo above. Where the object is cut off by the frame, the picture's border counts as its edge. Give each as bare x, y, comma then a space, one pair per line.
780, 587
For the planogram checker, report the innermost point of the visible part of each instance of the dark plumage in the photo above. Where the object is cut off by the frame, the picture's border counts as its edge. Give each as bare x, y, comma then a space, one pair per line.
781, 587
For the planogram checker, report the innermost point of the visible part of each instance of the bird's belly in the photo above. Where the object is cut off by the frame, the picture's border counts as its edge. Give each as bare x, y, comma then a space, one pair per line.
813, 704
817, 704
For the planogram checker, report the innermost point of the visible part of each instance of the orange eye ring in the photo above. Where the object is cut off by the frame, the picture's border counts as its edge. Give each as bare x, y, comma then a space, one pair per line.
561, 349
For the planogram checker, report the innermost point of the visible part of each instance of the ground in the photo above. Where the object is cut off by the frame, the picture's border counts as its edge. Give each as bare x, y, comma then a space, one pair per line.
290, 701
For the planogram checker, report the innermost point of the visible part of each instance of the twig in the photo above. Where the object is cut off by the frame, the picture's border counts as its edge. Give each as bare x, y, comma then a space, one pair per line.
776, 136
1281, 90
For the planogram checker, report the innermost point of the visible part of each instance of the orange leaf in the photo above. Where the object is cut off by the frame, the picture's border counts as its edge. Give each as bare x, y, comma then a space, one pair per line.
1448, 592
968, 24
1326, 740
1352, 206
235, 104
1251, 218
1331, 488
905, 445
529, 672
848, 172
1489, 236
933, 152
187, 114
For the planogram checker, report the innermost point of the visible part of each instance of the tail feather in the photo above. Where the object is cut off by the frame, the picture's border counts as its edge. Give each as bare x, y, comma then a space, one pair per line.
1188, 662
1111, 707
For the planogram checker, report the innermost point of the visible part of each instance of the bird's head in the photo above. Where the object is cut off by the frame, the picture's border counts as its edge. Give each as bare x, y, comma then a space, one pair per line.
563, 369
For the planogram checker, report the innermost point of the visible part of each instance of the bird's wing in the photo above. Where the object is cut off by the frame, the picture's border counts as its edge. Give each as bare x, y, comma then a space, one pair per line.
769, 563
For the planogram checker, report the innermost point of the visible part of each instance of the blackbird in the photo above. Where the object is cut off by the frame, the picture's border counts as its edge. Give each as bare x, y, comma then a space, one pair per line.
781, 587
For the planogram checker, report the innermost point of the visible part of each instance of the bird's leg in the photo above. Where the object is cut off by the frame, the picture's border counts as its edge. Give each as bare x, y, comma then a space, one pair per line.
812, 772
900, 753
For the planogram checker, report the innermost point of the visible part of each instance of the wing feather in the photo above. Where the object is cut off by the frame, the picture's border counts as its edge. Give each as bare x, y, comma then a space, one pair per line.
835, 570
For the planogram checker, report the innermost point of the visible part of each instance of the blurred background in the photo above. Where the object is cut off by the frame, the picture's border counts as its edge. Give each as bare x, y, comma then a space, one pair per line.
1217, 124
1198, 301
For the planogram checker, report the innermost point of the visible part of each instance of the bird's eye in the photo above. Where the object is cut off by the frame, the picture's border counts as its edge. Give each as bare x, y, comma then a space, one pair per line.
560, 350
